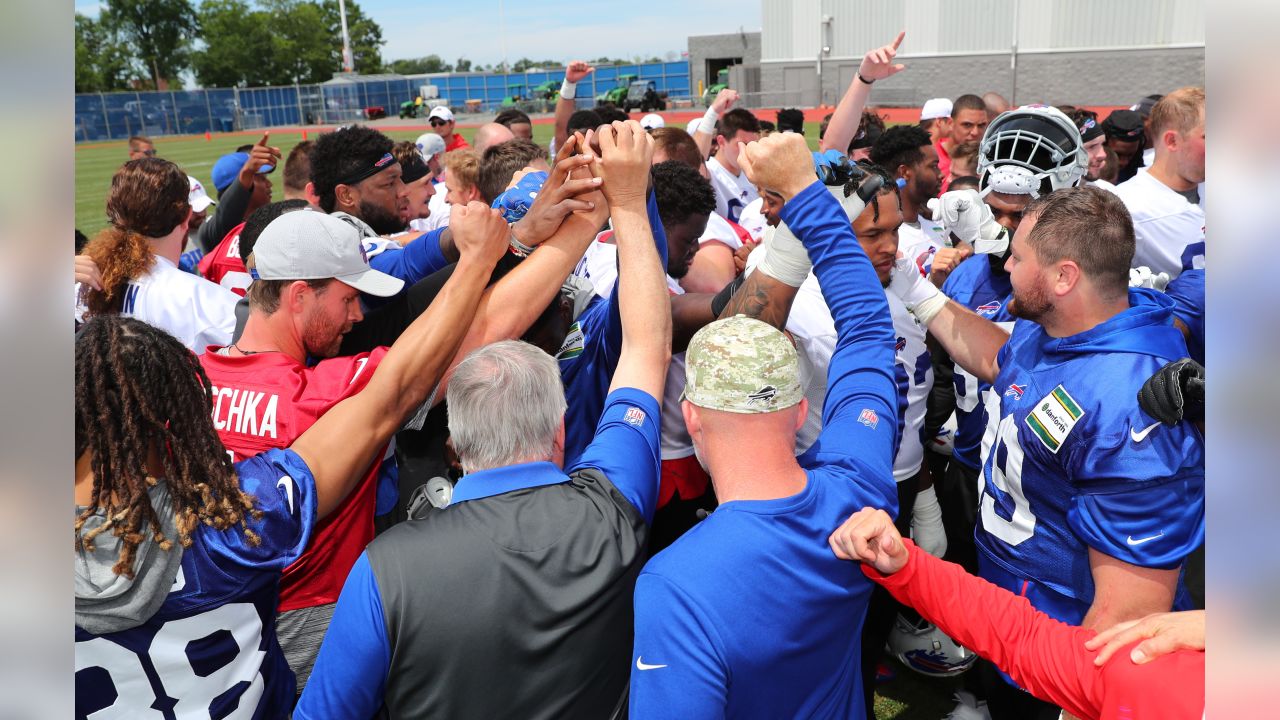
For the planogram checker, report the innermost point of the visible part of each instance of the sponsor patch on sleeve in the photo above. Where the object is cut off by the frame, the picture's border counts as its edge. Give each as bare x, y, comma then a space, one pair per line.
1054, 417
573, 344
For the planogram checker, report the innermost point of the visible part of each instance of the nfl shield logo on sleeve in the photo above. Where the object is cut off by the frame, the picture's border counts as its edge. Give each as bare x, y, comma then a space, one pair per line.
634, 416
869, 418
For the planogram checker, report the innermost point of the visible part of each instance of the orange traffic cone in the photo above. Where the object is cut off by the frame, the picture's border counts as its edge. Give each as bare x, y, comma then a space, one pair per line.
207, 136
304, 134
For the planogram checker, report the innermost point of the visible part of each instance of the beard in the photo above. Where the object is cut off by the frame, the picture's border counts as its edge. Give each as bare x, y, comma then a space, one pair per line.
321, 336
1032, 304
380, 219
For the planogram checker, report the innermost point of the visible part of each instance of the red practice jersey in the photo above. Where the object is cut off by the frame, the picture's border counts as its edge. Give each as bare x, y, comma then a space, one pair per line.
224, 266
268, 400
1045, 656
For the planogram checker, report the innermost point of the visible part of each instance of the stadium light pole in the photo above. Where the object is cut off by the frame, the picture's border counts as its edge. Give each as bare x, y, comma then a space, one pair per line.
348, 63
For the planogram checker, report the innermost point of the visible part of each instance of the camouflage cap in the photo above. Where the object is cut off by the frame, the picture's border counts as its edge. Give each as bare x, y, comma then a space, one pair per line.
742, 365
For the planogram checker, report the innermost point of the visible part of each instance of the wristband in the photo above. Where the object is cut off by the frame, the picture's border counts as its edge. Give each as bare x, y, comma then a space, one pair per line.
862, 79
568, 89
723, 297
518, 248
786, 259
709, 120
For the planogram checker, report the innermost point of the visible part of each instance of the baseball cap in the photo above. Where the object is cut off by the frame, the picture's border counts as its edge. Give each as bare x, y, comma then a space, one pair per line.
198, 198
1143, 106
310, 245
935, 108
741, 365
228, 167
441, 112
429, 145
1123, 125
652, 121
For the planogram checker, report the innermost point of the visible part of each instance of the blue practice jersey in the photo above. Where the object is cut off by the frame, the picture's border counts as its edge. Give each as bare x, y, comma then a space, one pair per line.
1071, 462
750, 614
589, 355
1187, 292
211, 649
976, 286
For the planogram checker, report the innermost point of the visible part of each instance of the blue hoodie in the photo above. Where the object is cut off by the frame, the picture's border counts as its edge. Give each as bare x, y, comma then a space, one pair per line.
1074, 463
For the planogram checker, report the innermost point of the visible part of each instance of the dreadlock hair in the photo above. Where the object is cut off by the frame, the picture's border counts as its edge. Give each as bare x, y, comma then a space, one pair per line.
148, 199
888, 186
139, 392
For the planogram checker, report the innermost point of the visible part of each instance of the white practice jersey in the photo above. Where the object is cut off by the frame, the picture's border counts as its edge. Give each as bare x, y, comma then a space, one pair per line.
192, 309
917, 246
752, 219
811, 326
733, 193
1168, 228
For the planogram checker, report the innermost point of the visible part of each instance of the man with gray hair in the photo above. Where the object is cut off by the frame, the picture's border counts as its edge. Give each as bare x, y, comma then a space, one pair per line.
516, 598
749, 613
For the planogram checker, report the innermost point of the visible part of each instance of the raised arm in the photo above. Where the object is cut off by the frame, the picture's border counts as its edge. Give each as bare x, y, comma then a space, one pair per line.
972, 341
643, 300
576, 72
345, 440
706, 132
233, 203
876, 65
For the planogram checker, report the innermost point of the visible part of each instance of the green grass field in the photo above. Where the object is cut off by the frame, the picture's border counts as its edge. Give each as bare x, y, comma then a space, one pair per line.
908, 697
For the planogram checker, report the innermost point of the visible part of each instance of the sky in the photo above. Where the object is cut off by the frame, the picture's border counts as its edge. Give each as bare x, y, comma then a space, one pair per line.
543, 29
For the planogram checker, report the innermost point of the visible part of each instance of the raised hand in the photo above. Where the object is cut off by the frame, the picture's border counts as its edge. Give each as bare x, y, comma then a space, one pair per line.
561, 194
1174, 392
878, 64
869, 536
577, 70
626, 153
479, 232
260, 155
724, 102
781, 163
945, 260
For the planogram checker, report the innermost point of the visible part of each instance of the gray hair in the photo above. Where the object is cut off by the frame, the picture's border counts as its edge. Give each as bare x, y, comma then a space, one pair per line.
506, 402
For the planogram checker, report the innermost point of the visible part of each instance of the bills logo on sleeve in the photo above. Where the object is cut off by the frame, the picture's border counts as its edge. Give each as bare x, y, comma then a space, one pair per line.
1015, 391
987, 309
1054, 417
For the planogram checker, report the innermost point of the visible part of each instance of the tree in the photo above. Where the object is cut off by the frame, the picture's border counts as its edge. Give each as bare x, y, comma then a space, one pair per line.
463, 65
103, 62
238, 46
417, 66
160, 32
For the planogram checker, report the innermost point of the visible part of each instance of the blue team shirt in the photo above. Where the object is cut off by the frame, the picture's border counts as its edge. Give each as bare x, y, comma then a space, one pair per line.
750, 614
211, 649
1071, 462
975, 285
410, 263
590, 353
1187, 293
351, 670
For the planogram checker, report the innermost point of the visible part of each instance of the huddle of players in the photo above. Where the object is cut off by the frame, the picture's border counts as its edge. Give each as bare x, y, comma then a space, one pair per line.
1024, 551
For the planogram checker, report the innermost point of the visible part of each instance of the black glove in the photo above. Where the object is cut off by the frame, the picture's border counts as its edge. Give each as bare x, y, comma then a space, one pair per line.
1175, 392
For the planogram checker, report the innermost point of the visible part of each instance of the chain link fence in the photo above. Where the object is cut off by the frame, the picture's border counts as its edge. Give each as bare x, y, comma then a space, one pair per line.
117, 116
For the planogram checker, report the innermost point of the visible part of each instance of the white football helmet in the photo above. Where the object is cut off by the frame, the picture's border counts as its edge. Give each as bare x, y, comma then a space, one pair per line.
921, 646
1032, 150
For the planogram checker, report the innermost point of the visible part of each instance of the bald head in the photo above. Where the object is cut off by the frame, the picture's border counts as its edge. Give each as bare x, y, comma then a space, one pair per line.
995, 103
491, 134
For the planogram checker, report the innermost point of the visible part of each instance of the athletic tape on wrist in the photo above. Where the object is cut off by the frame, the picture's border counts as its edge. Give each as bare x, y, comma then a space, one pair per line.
786, 259
568, 90
709, 120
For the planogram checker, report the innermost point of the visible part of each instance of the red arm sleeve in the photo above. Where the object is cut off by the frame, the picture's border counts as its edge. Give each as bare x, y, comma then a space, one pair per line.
1043, 655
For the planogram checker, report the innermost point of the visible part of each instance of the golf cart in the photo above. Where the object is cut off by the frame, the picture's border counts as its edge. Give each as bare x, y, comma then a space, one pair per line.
644, 96
616, 95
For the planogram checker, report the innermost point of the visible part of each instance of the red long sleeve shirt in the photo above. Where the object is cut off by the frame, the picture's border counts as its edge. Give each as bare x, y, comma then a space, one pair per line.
1043, 655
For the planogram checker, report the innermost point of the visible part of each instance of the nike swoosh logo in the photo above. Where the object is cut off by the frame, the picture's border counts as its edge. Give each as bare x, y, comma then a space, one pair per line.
642, 665
1142, 434
1131, 541
286, 484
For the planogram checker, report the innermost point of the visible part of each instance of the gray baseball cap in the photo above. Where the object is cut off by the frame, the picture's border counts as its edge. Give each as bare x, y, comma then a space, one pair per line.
310, 245
742, 365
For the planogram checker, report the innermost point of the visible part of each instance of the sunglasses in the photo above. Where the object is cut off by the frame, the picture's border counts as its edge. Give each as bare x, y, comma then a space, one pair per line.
149, 153
437, 122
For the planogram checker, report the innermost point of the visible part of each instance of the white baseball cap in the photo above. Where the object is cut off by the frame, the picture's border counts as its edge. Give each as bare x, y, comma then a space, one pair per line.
936, 108
441, 112
310, 245
429, 145
199, 199
652, 121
